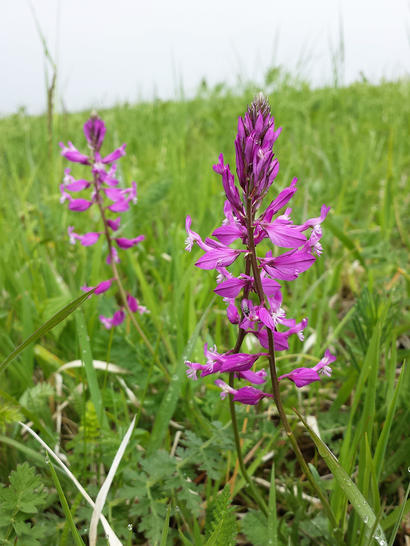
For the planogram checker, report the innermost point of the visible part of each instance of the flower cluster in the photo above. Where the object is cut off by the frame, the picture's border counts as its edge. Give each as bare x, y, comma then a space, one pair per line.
102, 186
254, 298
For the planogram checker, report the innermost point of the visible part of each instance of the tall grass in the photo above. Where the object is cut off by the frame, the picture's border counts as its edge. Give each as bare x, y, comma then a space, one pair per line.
350, 148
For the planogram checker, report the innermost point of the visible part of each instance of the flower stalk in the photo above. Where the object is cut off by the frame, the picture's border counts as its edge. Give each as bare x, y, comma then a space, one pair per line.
258, 289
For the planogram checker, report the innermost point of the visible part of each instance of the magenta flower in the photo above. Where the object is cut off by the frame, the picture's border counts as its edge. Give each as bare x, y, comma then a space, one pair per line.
305, 376
254, 298
245, 395
104, 185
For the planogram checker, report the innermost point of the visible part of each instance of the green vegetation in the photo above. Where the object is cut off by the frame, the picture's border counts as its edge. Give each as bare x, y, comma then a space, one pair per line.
349, 149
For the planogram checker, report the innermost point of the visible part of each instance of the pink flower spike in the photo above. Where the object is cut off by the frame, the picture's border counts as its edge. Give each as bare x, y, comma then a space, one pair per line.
123, 242
114, 224
116, 154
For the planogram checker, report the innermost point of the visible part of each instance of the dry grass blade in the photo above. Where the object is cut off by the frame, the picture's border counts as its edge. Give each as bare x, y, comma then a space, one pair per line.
102, 494
97, 364
113, 540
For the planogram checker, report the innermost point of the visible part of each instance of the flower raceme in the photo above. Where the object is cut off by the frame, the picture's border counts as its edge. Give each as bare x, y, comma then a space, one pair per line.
254, 298
109, 198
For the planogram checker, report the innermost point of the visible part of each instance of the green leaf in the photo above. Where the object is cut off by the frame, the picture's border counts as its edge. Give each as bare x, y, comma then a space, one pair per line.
87, 358
46, 327
384, 436
170, 399
348, 487
64, 504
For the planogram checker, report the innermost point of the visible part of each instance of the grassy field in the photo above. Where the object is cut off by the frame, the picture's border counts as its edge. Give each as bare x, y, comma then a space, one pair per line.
349, 149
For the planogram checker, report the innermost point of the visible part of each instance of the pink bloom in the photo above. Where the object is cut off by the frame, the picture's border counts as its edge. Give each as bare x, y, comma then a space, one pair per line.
305, 376
71, 153
116, 154
113, 256
79, 205
116, 320
123, 242
114, 224
245, 395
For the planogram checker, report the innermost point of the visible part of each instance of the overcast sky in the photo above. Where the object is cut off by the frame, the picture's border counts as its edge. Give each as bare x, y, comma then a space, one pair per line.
110, 51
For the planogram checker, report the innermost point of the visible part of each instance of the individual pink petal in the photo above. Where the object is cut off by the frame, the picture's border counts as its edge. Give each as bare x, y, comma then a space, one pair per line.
116, 154
121, 205
113, 256
118, 317
90, 238
132, 303
78, 185
103, 287
218, 257
71, 153
79, 205
114, 224
94, 130
123, 242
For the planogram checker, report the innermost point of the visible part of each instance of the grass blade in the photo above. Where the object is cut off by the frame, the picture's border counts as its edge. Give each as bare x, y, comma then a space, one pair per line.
87, 358
103, 492
272, 515
346, 484
399, 517
112, 537
46, 327
64, 504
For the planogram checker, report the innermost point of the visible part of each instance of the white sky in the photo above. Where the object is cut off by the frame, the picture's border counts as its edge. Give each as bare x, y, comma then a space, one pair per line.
116, 50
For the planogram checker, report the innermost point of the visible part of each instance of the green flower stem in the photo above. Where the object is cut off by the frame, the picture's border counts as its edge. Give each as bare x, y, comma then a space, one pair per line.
255, 493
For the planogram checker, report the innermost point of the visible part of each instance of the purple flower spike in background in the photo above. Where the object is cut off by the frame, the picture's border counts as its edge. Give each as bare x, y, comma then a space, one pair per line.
103, 185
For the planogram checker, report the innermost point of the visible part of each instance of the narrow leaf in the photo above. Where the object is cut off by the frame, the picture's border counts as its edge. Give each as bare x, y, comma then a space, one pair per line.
46, 327
346, 484
64, 504
102, 494
112, 537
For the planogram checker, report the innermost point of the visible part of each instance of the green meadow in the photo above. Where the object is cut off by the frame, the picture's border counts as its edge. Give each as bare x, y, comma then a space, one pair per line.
178, 481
